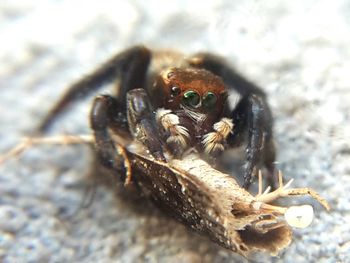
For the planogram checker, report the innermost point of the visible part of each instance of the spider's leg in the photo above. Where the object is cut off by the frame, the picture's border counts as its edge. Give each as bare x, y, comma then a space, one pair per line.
100, 120
142, 123
252, 115
129, 65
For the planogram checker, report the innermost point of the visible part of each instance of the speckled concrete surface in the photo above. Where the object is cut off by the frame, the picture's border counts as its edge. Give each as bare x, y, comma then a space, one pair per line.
298, 51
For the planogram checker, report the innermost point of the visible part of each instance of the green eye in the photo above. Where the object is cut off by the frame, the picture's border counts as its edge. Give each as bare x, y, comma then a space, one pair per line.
191, 98
209, 100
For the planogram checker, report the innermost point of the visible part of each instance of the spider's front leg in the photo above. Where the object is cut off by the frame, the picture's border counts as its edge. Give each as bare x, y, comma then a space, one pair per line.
102, 117
252, 115
107, 113
142, 123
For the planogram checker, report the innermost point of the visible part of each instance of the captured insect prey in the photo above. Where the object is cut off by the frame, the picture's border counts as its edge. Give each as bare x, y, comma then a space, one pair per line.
203, 198
167, 126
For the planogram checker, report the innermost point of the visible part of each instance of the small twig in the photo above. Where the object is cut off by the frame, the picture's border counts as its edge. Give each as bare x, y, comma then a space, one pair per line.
28, 142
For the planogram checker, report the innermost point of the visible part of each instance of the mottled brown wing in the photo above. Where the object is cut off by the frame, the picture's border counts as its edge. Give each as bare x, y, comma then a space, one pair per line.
208, 201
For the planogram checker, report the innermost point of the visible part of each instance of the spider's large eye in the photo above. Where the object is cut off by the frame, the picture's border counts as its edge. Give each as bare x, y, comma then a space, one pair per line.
209, 100
191, 98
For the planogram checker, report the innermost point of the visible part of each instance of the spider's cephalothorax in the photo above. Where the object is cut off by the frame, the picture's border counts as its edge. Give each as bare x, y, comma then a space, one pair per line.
190, 108
172, 104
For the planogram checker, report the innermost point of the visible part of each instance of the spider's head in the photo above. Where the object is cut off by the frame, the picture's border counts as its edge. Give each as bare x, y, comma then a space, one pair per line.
196, 90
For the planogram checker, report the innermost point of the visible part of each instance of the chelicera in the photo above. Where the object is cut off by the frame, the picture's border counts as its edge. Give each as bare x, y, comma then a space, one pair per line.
175, 104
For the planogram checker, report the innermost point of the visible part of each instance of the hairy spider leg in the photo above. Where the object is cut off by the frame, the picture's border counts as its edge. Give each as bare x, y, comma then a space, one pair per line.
130, 66
142, 123
251, 115
107, 112
100, 119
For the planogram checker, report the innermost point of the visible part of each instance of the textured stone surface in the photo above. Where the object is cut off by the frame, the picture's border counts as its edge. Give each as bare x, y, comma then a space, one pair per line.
298, 51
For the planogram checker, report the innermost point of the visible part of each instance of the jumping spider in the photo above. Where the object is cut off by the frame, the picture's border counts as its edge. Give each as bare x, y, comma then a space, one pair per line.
173, 104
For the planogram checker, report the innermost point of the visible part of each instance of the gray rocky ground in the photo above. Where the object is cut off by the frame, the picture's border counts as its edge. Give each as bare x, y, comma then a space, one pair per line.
299, 51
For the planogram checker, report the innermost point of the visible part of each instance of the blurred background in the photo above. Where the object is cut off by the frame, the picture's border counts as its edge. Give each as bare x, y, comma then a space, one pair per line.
298, 51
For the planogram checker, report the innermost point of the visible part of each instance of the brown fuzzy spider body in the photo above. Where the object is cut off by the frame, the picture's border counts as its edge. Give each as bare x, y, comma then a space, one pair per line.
196, 99
172, 103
